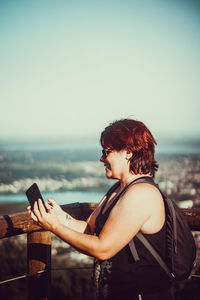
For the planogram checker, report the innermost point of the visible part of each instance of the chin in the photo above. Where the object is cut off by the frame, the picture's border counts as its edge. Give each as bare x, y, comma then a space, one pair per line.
108, 174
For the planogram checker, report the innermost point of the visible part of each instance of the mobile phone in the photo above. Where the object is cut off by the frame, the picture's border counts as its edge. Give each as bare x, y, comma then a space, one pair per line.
33, 194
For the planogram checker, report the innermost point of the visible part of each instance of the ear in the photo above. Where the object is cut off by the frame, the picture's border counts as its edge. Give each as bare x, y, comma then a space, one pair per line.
128, 154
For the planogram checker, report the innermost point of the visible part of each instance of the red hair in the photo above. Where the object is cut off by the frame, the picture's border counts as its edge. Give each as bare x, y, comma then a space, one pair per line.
134, 136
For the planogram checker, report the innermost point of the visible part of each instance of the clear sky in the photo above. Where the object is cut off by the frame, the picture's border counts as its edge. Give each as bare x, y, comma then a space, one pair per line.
71, 67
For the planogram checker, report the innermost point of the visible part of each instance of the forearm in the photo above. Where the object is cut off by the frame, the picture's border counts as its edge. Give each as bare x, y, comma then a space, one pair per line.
83, 242
77, 225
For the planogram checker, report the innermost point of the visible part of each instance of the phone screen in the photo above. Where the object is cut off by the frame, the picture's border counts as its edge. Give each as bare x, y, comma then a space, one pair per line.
33, 194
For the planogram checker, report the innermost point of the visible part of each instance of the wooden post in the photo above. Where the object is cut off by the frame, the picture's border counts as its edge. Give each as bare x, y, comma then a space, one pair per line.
39, 259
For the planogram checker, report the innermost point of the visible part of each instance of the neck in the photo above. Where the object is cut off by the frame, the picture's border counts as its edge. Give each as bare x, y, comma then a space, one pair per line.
125, 181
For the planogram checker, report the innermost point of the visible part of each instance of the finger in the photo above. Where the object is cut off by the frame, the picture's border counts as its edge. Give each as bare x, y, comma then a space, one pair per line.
52, 202
41, 207
36, 210
48, 207
33, 216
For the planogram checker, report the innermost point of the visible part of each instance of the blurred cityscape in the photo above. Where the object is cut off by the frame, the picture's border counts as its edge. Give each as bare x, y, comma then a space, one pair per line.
178, 175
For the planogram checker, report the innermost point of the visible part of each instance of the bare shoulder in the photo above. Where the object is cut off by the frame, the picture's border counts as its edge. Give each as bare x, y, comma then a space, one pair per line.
143, 208
142, 194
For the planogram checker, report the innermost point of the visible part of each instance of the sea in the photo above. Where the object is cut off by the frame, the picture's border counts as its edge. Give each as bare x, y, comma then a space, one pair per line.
166, 145
62, 198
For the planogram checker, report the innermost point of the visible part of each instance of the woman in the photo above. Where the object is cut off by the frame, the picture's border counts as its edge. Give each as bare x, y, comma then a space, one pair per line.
128, 154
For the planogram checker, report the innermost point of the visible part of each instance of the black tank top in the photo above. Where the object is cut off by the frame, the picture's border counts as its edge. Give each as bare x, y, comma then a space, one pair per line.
120, 277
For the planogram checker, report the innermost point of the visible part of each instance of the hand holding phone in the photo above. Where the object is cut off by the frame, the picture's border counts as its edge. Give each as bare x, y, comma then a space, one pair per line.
33, 194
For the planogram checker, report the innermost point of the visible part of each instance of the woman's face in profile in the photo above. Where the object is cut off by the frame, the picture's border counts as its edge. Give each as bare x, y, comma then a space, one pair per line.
115, 163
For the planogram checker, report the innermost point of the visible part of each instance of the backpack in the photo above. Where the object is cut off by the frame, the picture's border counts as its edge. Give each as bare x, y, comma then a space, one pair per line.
181, 249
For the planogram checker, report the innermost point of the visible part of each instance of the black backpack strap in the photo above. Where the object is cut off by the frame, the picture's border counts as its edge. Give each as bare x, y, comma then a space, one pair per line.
155, 254
108, 194
141, 237
134, 251
115, 186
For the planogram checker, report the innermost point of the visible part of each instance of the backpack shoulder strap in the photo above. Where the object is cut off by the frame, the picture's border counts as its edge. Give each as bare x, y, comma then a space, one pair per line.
155, 254
142, 238
108, 194
116, 185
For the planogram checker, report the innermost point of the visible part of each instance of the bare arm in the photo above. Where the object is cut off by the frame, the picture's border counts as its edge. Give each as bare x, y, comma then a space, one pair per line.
139, 209
87, 226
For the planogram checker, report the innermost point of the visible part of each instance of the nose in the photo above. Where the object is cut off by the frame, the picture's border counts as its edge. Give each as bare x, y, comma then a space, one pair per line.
102, 159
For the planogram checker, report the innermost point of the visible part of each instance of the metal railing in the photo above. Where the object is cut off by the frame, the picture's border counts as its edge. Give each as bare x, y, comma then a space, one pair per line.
39, 243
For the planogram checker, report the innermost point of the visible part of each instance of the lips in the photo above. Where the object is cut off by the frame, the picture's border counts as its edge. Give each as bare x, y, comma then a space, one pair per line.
107, 166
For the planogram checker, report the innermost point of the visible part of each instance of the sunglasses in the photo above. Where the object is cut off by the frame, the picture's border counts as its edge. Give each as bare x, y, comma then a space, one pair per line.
105, 152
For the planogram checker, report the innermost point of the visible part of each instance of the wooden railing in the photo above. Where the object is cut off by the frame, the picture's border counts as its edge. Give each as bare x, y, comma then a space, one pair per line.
39, 243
